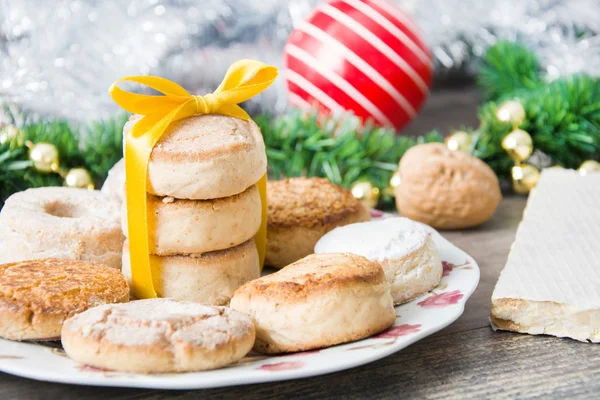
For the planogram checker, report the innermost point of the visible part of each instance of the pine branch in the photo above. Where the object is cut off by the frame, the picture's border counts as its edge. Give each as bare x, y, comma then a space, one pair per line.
564, 119
339, 149
102, 146
508, 69
96, 147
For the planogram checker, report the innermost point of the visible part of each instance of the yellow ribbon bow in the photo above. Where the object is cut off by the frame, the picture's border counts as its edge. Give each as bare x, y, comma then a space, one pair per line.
243, 80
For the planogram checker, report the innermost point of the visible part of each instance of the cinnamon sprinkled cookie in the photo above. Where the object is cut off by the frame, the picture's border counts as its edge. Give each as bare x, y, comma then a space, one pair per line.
37, 296
301, 211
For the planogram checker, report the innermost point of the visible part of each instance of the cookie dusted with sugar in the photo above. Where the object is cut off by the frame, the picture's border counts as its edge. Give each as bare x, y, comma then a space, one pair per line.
301, 211
404, 248
158, 335
64, 223
180, 227
209, 278
206, 157
319, 301
37, 296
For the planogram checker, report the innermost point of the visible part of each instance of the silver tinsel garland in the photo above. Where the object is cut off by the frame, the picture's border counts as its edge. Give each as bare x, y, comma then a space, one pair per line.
59, 57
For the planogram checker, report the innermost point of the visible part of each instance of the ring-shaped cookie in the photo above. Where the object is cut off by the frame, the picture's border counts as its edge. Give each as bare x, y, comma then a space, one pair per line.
63, 223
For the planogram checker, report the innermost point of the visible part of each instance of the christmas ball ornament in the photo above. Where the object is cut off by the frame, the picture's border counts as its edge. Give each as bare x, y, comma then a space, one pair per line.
524, 177
363, 56
511, 111
44, 157
394, 183
79, 178
366, 192
589, 166
8, 134
459, 141
395, 180
518, 145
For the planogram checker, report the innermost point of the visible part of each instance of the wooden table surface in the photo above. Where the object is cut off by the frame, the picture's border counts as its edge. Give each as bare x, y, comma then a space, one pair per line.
467, 360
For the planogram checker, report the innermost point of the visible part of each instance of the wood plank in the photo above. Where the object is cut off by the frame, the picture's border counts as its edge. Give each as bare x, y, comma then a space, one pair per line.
489, 245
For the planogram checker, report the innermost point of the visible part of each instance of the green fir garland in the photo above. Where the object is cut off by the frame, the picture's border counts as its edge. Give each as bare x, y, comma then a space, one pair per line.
562, 117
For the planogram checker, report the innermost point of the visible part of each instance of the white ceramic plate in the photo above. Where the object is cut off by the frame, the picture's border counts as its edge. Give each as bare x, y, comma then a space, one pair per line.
415, 320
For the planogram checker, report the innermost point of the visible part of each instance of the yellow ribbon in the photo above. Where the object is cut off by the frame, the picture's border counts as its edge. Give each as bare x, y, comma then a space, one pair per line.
243, 80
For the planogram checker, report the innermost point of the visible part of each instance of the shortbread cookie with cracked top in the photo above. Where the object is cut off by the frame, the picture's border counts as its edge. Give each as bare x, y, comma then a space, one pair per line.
158, 335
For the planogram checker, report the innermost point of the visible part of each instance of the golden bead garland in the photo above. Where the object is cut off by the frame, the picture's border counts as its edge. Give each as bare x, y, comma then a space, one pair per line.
518, 144
366, 192
459, 140
589, 166
511, 111
45, 159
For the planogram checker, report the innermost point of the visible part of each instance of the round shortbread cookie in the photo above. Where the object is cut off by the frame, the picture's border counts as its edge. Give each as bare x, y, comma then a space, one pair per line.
301, 211
37, 296
158, 335
63, 223
318, 301
404, 248
210, 278
206, 157
179, 227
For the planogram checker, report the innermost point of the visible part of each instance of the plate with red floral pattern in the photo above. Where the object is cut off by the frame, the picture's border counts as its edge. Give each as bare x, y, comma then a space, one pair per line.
415, 320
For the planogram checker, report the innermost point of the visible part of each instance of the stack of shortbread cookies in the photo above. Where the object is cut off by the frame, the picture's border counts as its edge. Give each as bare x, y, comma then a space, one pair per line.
204, 208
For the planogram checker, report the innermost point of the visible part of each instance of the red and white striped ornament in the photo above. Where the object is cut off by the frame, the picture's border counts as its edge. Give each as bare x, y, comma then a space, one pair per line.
365, 56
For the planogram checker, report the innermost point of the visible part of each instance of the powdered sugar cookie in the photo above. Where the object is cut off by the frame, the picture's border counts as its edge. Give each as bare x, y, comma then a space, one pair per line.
403, 247
158, 335
63, 223
209, 278
178, 227
206, 157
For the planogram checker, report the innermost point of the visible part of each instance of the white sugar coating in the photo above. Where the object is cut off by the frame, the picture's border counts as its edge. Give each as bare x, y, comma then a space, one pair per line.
385, 239
161, 322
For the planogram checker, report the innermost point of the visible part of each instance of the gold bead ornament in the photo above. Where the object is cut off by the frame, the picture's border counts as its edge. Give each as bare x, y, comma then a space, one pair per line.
589, 166
395, 180
8, 134
366, 192
524, 177
44, 156
459, 141
518, 144
79, 178
394, 183
511, 111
